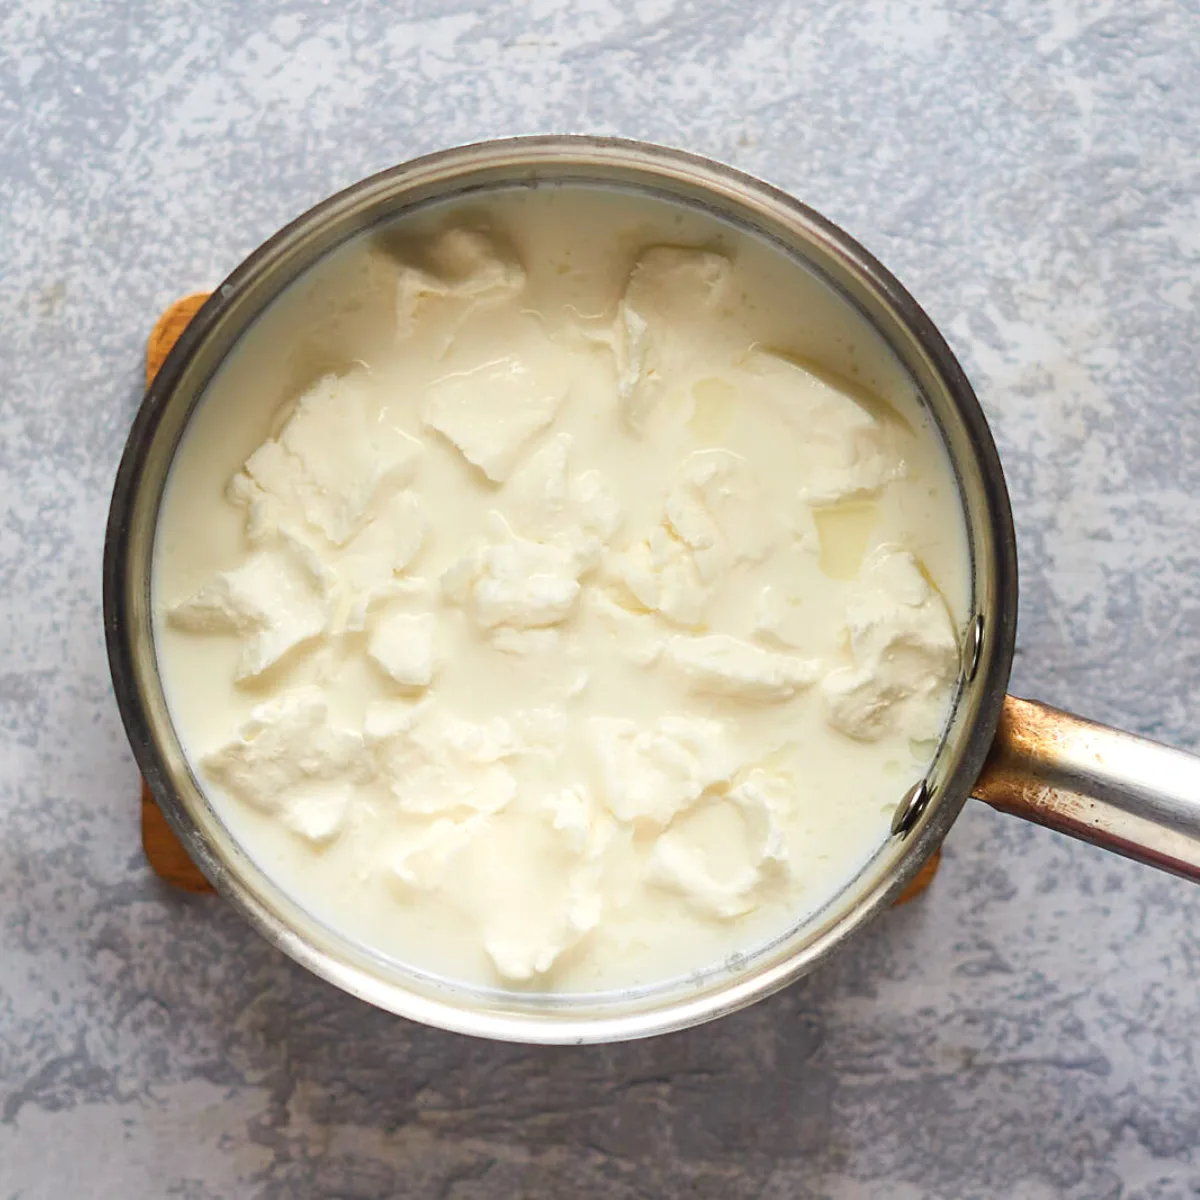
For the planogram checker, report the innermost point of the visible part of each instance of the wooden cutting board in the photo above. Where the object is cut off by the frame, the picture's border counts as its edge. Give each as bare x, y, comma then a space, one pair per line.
164, 851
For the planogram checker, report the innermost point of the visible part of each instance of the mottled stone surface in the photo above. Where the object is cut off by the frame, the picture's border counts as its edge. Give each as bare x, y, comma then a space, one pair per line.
1032, 171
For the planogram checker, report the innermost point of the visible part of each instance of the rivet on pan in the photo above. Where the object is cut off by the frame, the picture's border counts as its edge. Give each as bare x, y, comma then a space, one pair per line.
974, 647
909, 810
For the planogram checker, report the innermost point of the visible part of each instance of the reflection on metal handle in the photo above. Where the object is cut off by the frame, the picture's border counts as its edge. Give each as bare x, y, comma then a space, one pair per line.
1115, 790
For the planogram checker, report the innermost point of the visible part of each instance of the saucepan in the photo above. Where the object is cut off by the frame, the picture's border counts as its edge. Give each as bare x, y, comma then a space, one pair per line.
1124, 793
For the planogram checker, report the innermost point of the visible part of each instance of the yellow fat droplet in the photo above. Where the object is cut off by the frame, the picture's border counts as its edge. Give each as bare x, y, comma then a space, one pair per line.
845, 531
713, 403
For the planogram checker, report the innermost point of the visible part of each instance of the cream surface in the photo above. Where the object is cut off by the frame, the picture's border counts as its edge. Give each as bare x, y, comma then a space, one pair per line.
561, 593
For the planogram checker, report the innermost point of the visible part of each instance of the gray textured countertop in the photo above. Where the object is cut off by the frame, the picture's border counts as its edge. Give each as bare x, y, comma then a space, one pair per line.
1032, 172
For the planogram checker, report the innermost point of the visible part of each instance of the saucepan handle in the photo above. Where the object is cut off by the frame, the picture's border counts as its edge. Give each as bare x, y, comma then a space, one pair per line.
1125, 793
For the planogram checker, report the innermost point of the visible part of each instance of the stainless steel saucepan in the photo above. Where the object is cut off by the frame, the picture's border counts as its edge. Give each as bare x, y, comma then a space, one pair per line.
1122, 792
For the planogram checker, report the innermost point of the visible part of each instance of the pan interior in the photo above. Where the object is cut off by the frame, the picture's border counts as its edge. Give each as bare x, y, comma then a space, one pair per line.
902, 366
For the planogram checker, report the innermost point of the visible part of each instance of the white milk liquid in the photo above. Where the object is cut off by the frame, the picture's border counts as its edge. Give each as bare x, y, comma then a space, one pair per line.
658, 650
